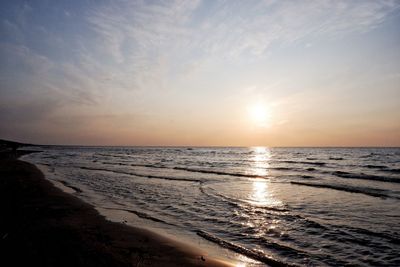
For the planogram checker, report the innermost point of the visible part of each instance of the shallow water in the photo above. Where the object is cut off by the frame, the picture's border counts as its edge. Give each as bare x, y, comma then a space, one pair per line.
303, 206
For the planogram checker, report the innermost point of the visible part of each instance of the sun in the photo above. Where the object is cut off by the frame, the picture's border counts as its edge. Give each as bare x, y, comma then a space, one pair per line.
260, 114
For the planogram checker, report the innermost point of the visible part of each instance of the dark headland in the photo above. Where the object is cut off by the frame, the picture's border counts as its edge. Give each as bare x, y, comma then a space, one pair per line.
43, 226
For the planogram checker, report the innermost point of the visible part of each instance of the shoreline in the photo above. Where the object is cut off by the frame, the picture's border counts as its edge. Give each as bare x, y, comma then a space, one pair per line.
50, 227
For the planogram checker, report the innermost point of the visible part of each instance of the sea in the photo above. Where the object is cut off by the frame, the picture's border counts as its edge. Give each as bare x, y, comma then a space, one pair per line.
259, 205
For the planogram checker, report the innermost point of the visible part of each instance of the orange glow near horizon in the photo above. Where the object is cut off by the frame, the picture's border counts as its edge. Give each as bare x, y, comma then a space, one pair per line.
144, 73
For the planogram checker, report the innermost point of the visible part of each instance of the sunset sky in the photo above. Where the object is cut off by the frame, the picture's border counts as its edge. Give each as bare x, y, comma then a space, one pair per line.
200, 73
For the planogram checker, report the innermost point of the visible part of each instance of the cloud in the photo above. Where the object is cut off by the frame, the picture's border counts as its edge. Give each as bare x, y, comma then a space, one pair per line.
128, 45
25, 71
153, 38
86, 58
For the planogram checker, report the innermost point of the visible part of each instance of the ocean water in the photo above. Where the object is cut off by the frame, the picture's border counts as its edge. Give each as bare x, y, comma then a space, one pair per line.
299, 206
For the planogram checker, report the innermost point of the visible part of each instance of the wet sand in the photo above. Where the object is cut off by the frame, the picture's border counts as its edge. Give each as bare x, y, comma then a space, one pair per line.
42, 226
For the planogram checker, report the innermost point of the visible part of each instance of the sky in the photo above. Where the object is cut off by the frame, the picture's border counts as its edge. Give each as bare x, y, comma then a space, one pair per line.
200, 73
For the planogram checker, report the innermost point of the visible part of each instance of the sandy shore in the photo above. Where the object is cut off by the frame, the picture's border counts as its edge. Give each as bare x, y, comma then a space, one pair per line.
42, 226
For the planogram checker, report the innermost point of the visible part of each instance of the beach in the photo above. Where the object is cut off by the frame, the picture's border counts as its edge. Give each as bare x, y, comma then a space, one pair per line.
200, 133
251, 206
44, 226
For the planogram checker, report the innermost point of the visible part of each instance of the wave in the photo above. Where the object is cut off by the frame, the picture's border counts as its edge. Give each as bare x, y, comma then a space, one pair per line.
281, 168
382, 168
66, 184
367, 191
364, 176
316, 163
336, 158
109, 155
392, 170
220, 198
331, 232
370, 166
307, 177
136, 165
236, 202
235, 174
150, 166
369, 155
308, 257
140, 214
257, 255
201, 170
219, 172
144, 175
393, 237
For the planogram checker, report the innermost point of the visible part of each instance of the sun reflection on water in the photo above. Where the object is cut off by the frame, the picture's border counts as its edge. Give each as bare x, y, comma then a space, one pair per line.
260, 161
242, 261
261, 194
259, 191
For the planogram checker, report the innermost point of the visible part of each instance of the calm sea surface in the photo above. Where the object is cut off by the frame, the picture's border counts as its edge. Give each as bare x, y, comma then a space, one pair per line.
303, 206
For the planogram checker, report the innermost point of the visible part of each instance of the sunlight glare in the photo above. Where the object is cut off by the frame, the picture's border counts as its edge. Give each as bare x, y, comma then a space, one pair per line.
260, 161
259, 114
261, 194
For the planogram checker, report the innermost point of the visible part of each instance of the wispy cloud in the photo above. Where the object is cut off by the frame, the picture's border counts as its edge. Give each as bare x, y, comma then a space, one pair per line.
112, 49
155, 38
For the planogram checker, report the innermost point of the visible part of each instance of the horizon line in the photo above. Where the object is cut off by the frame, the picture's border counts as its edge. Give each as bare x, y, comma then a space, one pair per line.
196, 146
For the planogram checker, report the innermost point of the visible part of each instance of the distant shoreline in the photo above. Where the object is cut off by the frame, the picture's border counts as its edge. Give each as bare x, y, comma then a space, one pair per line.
41, 225
7, 142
